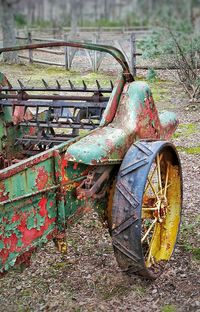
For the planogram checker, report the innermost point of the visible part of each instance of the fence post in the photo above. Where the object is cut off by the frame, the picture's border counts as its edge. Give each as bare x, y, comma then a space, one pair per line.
17, 35
66, 51
30, 51
133, 54
95, 55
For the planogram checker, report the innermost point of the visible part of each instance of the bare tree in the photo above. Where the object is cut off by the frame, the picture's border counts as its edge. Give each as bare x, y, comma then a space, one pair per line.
196, 16
74, 12
8, 28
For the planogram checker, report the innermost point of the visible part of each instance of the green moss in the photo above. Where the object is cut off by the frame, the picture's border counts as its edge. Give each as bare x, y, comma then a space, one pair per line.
59, 265
117, 291
189, 127
196, 253
176, 135
32, 74
189, 150
158, 92
168, 308
140, 291
185, 130
20, 307
26, 293
188, 240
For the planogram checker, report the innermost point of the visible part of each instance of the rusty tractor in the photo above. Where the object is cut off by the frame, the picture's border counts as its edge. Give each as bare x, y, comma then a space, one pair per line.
67, 149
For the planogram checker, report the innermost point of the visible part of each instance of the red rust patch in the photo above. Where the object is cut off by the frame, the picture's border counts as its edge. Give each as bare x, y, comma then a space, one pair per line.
30, 235
3, 194
27, 235
64, 164
42, 178
75, 165
113, 107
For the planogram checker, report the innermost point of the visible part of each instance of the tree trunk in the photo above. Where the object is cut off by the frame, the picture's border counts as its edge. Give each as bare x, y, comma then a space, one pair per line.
74, 4
196, 18
105, 9
8, 29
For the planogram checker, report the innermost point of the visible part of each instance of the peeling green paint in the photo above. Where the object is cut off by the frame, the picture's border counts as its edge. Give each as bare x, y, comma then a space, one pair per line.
11, 259
107, 144
31, 221
38, 195
19, 243
1, 244
39, 221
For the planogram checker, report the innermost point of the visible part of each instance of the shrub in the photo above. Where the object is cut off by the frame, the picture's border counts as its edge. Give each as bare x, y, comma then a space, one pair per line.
179, 50
20, 20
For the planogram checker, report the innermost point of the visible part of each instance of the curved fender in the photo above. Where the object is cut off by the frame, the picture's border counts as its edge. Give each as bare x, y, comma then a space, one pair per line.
136, 118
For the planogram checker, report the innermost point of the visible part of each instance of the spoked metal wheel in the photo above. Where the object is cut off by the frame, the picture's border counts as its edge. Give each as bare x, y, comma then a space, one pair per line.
147, 208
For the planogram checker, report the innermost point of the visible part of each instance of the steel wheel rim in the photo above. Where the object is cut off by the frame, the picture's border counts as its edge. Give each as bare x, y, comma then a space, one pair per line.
160, 213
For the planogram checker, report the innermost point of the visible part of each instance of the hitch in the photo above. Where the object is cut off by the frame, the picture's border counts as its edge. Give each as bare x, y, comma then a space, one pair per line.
95, 185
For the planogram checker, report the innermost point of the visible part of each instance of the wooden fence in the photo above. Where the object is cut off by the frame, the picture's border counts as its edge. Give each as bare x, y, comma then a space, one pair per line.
104, 35
94, 58
115, 36
58, 32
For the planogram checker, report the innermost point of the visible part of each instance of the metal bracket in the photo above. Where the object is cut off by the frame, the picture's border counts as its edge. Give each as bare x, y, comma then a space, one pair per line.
94, 186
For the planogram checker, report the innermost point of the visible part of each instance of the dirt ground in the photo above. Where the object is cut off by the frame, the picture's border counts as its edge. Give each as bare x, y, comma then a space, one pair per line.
88, 277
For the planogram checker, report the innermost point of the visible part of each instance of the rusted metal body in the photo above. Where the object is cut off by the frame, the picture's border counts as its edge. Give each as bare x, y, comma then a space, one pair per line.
48, 178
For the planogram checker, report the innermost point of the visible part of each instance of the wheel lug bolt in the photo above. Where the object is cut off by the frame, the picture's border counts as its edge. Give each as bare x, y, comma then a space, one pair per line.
125, 237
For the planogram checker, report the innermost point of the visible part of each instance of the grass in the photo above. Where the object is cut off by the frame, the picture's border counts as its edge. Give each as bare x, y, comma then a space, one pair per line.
120, 291
140, 291
158, 89
60, 265
185, 130
32, 74
189, 239
196, 253
189, 150
168, 308
158, 92
117, 291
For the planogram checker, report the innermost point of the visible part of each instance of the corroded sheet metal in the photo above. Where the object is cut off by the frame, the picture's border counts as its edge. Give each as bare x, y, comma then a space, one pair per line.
36, 199
28, 208
136, 117
38, 195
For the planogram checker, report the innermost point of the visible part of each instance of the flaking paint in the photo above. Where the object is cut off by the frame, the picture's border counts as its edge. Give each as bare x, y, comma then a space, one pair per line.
51, 178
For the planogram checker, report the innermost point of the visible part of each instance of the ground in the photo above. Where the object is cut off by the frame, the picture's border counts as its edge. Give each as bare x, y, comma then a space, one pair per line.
88, 278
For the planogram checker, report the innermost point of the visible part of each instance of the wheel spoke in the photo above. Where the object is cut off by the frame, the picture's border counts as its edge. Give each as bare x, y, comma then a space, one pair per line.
148, 212
153, 189
160, 188
148, 243
149, 208
166, 180
157, 187
150, 179
166, 187
149, 229
150, 258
